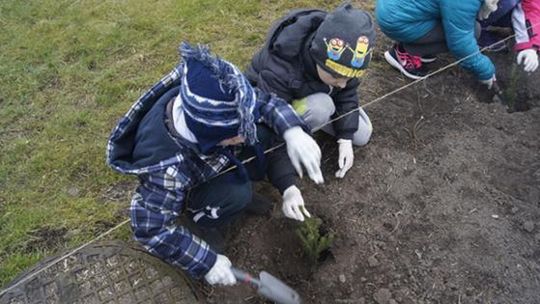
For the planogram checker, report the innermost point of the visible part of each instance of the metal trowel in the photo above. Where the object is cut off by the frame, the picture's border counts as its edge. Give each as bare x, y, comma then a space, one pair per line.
499, 94
269, 287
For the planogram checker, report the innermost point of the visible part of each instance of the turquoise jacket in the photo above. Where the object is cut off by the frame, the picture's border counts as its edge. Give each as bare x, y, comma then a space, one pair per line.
408, 21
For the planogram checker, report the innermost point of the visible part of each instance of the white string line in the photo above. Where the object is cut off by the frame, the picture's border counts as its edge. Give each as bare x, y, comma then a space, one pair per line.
253, 157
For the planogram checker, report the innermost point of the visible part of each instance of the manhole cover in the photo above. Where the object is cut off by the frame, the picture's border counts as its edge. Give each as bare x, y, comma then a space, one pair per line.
106, 272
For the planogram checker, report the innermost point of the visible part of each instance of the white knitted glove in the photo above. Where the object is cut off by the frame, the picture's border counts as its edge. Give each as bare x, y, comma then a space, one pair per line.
293, 204
489, 82
346, 157
488, 7
529, 59
221, 272
303, 150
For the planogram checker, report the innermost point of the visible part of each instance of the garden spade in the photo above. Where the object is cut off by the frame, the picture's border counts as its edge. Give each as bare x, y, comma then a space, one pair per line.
269, 287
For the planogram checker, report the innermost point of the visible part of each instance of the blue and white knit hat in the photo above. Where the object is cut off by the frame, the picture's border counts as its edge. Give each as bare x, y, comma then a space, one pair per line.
217, 99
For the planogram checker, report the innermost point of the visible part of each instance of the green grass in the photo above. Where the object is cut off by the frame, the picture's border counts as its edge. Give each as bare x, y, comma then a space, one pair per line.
68, 71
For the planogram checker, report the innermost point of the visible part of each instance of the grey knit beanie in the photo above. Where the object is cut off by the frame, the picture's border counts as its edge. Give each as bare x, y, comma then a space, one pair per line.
344, 41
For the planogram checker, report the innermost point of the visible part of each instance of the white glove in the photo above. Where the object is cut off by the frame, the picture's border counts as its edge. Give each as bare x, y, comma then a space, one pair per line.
488, 7
302, 149
221, 272
529, 59
489, 82
346, 157
293, 204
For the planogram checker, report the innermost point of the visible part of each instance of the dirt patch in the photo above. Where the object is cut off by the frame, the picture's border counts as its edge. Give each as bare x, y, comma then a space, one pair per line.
119, 192
43, 239
441, 207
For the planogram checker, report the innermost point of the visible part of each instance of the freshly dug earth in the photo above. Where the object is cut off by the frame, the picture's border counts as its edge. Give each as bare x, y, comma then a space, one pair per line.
442, 206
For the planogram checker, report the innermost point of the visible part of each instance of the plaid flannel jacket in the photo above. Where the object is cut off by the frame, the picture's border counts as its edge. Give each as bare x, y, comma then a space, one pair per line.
159, 198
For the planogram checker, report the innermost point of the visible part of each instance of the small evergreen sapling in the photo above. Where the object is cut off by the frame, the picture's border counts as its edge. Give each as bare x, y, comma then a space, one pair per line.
314, 240
515, 95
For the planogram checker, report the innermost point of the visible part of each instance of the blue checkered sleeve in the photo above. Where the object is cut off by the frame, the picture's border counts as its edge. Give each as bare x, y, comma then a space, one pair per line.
154, 211
277, 113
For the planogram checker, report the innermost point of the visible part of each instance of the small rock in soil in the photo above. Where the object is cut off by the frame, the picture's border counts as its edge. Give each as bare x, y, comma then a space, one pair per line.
528, 226
363, 279
514, 210
342, 278
382, 296
392, 301
373, 262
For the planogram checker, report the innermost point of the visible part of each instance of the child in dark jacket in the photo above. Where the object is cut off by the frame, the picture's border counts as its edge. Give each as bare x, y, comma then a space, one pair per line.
196, 122
312, 59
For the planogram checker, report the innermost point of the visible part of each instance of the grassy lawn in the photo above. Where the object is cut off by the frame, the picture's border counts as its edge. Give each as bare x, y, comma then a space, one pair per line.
68, 71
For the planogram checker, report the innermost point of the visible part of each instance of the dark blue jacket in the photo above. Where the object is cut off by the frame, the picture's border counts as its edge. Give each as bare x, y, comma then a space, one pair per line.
168, 166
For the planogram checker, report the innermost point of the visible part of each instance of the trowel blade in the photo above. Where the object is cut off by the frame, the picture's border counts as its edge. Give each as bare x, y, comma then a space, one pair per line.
274, 289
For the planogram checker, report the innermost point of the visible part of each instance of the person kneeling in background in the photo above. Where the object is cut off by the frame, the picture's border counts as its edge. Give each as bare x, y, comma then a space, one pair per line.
523, 17
425, 28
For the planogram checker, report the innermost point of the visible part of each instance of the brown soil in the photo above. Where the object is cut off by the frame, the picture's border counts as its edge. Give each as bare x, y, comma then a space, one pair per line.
442, 206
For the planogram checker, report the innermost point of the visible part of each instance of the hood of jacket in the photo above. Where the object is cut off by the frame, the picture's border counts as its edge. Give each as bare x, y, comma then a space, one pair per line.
297, 26
131, 148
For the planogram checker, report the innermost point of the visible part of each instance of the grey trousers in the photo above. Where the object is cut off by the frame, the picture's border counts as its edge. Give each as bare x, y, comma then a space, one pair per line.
434, 42
319, 110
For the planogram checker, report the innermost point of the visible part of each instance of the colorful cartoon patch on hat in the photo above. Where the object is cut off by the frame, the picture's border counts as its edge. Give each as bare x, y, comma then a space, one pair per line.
360, 52
335, 48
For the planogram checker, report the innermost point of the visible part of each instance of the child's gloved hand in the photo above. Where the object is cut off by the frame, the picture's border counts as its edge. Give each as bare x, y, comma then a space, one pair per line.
529, 59
221, 272
346, 157
488, 7
293, 204
303, 150
494, 92
489, 82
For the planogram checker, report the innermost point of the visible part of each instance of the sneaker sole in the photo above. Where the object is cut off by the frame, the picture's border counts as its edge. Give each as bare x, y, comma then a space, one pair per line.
428, 60
393, 62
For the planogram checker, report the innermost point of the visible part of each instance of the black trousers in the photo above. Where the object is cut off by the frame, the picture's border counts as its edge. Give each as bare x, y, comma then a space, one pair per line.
433, 43
222, 199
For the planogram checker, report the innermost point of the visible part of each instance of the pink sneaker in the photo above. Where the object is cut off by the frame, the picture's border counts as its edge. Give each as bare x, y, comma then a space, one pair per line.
410, 65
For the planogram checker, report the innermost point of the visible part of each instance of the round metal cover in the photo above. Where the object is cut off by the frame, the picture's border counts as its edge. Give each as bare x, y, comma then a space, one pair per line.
106, 272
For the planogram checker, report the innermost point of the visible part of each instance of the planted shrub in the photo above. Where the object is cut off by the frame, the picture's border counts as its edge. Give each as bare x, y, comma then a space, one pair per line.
314, 239
514, 98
